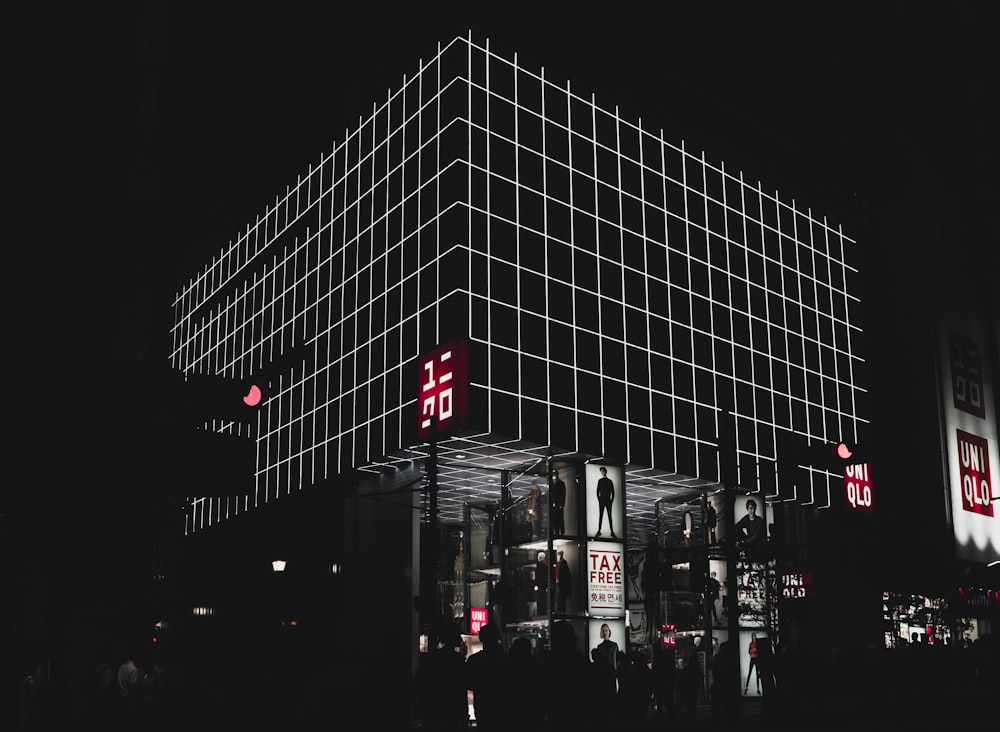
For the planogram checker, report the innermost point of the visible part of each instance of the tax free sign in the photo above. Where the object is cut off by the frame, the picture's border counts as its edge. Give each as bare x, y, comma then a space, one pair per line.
605, 579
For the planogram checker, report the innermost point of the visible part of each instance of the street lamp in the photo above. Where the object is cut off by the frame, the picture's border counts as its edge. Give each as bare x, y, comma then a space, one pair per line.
278, 565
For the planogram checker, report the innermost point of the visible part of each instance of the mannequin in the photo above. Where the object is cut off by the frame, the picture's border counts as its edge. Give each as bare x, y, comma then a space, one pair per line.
534, 508
564, 582
541, 585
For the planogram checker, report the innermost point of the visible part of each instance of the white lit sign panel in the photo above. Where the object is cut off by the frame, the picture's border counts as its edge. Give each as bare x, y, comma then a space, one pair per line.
605, 579
970, 436
605, 639
751, 593
754, 649
605, 501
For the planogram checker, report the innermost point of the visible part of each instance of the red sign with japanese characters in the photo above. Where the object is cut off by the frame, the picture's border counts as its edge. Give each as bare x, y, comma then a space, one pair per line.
605, 579
443, 389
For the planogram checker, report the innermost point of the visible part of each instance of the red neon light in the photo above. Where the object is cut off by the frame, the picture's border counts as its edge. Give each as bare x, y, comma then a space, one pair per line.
253, 397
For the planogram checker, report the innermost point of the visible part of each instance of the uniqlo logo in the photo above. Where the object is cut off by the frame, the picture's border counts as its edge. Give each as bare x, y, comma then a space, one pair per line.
443, 388
966, 374
478, 617
974, 473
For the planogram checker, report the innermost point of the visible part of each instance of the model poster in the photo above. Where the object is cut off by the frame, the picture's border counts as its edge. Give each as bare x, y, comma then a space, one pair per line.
605, 501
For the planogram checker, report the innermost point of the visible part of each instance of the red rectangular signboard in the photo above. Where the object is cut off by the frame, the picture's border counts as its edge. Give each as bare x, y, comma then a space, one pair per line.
443, 389
974, 473
478, 617
858, 486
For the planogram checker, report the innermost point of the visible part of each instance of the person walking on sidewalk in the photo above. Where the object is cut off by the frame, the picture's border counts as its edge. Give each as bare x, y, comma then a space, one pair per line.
689, 686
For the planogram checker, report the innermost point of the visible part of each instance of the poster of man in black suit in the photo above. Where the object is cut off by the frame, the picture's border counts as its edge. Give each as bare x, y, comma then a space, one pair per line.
605, 493
557, 500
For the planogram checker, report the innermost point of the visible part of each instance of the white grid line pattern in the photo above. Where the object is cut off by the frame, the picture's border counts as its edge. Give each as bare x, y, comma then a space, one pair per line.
242, 310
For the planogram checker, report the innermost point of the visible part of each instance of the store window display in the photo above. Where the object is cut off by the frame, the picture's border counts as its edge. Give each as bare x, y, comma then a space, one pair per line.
532, 516
563, 582
541, 585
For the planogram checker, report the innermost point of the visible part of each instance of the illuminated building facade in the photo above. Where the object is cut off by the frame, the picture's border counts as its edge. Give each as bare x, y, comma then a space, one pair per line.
616, 293
615, 290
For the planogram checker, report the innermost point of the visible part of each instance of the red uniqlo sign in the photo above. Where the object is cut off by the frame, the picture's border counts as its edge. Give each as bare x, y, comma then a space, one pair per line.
858, 485
974, 473
443, 390
478, 617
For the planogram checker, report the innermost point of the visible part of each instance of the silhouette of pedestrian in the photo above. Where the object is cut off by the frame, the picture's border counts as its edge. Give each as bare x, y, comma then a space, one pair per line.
665, 681
724, 693
130, 680
689, 686
485, 674
636, 690
30, 701
105, 692
447, 706
525, 688
566, 670
422, 690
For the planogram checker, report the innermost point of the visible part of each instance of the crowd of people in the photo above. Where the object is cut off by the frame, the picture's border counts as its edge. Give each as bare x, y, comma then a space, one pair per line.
559, 689
562, 689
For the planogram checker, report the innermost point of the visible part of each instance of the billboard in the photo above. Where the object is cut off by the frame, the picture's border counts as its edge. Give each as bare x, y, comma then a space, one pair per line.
605, 579
970, 435
755, 652
564, 499
605, 641
858, 487
605, 501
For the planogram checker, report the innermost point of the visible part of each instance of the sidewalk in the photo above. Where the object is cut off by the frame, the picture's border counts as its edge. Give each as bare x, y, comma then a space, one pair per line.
754, 717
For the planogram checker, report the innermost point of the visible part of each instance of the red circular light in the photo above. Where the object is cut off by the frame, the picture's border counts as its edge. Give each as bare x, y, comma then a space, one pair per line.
253, 397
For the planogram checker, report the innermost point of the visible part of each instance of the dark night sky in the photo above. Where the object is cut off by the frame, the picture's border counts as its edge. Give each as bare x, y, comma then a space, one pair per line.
246, 102
868, 113
830, 106
827, 105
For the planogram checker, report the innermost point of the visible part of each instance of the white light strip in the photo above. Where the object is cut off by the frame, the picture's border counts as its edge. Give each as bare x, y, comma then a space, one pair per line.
645, 284
572, 243
549, 437
517, 234
621, 270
